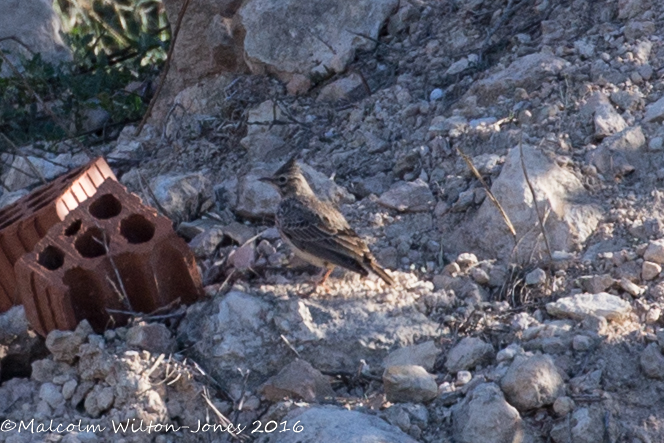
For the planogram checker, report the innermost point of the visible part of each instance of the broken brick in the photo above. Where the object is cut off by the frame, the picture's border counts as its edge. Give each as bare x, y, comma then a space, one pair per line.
111, 253
26, 221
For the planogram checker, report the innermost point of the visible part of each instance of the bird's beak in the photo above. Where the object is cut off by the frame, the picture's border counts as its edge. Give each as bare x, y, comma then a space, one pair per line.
266, 180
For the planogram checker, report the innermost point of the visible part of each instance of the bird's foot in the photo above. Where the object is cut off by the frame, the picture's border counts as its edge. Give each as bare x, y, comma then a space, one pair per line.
320, 284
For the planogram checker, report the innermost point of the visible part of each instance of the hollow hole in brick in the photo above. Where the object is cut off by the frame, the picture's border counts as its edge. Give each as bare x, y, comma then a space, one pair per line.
137, 229
90, 244
51, 258
73, 228
105, 207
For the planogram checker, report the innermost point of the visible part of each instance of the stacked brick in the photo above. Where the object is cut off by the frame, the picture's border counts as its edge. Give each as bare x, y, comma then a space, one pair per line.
25, 222
85, 248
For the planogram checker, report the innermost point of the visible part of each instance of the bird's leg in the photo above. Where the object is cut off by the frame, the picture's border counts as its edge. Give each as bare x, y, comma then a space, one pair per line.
323, 275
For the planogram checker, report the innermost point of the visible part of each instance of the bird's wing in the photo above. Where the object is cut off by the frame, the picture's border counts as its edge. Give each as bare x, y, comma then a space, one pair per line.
322, 231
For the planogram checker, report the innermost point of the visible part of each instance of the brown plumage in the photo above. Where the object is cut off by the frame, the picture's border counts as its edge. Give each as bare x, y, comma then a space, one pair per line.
316, 230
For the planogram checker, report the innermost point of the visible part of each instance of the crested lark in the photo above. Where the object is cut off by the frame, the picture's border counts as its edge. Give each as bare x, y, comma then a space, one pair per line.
315, 230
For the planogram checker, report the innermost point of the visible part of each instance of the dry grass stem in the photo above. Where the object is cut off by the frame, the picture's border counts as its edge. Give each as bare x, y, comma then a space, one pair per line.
493, 199
532, 192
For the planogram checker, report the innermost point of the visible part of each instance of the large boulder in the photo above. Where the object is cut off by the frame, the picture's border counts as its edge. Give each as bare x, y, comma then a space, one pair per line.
312, 39
527, 72
205, 48
571, 215
37, 26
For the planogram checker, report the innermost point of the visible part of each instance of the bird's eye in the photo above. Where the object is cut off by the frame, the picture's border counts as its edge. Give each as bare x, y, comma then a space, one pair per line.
282, 180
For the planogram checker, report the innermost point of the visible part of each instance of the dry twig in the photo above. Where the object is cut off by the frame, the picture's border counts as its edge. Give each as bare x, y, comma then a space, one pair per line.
532, 192
493, 199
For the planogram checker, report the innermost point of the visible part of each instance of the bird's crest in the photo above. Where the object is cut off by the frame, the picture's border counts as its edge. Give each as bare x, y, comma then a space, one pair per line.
289, 168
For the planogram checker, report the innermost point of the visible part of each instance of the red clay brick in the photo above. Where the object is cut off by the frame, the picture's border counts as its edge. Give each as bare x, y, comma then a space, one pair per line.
70, 276
25, 222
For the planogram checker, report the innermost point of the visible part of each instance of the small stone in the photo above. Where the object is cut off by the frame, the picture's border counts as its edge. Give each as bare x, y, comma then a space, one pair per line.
653, 315
412, 196
655, 111
298, 84
536, 277
466, 259
243, 258
51, 394
563, 406
580, 306
656, 144
532, 382
300, 380
205, 243
153, 337
436, 94
596, 283
650, 270
463, 378
424, 355
64, 345
99, 400
607, 121
409, 384
652, 361
655, 252
479, 275
508, 353
631, 288
340, 89
69, 388
582, 343
484, 416
467, 354
185, 196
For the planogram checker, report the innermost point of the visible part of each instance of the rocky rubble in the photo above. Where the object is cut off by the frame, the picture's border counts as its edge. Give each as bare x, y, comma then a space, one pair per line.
555, 335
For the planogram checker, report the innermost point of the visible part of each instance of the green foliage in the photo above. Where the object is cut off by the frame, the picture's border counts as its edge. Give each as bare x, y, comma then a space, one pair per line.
118, 48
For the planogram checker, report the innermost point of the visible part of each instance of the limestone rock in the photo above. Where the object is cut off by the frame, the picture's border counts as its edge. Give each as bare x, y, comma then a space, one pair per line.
652, 361
340, 89
37, 26
532, 382
423, 355
580, 306
655, 252
206, 50
569, 223
153, 337
299, 380
311, 39
334, 424
607, 121
408, 196
527, 72
655, 111
468, 353
586, 426
183, 196
27, 171
64, 345
409, 384
485, 417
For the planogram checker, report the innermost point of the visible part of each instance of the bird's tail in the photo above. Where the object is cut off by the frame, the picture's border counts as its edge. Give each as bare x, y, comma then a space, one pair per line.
379, 271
